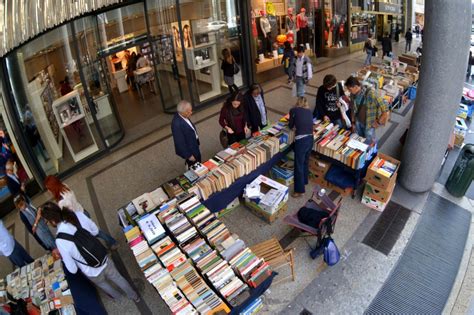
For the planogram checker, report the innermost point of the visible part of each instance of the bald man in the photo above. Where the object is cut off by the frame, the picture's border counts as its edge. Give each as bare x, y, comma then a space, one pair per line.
185, 136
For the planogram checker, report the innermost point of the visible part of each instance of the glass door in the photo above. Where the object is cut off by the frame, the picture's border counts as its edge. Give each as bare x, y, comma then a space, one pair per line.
94, 77
165, 37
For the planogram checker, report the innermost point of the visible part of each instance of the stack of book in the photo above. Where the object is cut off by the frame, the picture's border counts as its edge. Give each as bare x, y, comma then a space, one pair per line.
169, 254
172, 188
161, 279
196, 211
140, 248
380, 181
341, 145
252, 269
178, 224
44, 282
208, 261
203, 298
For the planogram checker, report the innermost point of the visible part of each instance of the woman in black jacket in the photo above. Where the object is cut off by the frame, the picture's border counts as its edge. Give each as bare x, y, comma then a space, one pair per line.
228, 68
327, 101
255, 108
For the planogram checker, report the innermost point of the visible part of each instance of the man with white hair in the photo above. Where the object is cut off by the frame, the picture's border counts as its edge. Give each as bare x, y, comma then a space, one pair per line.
186, 139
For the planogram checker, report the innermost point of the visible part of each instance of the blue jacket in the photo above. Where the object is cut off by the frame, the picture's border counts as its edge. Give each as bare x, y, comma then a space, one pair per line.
185, 142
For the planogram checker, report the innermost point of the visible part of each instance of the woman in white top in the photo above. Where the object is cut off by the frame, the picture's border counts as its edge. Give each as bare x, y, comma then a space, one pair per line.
68, 222
66, 198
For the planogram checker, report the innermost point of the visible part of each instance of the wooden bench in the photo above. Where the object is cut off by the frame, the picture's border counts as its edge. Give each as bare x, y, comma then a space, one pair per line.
275, 255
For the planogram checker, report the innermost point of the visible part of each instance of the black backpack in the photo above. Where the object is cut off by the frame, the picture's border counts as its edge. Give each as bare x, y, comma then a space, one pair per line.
90, 248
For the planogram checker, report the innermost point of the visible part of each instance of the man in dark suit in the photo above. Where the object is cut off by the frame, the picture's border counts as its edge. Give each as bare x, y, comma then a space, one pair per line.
255, 108
186, 140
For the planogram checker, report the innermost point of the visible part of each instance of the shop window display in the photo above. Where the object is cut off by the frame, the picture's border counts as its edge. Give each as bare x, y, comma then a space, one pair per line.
335, 23
275, 22
362, 25
42, 72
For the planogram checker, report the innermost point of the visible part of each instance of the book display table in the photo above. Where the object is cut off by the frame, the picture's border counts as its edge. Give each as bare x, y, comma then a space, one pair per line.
51, 288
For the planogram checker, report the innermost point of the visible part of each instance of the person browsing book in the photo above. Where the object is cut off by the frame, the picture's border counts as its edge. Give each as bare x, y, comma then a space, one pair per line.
75, 240
28, 215
185, 136
302, 120
368, 110
327, 101
255, 108
65, 197
233, 118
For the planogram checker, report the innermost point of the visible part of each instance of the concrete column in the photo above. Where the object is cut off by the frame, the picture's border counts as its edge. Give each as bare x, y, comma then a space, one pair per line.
445, 53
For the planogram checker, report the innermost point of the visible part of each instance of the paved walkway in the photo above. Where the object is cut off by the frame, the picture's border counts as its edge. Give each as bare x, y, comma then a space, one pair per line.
150, 161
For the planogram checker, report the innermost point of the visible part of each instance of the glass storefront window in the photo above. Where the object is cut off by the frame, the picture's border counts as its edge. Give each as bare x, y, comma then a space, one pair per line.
122, 27
95, 79
205, 30
362, 24
172, 80
50, 102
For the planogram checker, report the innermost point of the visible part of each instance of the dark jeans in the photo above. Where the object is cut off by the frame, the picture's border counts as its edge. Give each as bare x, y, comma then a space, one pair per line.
19, 257
408, 45
302, 149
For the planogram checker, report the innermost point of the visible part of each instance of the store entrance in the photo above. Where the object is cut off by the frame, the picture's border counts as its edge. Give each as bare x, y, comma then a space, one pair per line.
131, 76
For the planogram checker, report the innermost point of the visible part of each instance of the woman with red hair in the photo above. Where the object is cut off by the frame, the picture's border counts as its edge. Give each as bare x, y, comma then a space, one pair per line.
66, 198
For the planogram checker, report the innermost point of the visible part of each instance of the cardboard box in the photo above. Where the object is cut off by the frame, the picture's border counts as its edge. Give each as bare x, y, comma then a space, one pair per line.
318, 166
377, 193
374, 204
379, 180
259, 212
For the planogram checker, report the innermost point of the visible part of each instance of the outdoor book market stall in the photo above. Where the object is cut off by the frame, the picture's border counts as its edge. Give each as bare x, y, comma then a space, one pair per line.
47, 288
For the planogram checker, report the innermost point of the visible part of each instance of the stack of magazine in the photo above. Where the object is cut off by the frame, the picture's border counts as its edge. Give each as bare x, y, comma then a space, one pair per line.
44, 282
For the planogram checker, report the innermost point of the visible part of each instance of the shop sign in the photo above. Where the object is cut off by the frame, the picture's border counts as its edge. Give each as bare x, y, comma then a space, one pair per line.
388, 8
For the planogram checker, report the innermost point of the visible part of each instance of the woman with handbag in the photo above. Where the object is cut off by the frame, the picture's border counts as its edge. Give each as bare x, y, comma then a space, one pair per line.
230, 68
233, 119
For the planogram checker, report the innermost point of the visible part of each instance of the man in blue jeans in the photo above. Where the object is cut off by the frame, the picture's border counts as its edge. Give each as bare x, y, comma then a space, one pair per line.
10, 248
302, 71
368, 111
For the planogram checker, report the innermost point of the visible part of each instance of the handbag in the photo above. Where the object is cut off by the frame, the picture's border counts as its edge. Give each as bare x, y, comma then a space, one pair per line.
223, 138
331, 252
236, 68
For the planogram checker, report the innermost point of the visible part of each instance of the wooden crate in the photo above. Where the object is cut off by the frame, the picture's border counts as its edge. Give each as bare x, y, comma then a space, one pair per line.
269, 218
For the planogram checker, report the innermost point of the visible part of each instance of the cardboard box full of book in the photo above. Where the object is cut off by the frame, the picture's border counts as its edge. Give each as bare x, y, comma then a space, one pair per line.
382, 172
373, 203
377, 193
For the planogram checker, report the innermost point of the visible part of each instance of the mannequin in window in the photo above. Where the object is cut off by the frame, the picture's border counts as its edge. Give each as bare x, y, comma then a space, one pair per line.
302, 27
266, 29
341, 30
327, 29
290, 25
254, 24
335, 30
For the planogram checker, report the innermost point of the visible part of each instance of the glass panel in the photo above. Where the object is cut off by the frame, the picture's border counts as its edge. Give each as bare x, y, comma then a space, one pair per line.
335, 23
208, 27
165, 34
50, 102
9, 150
122, 27
95, 78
